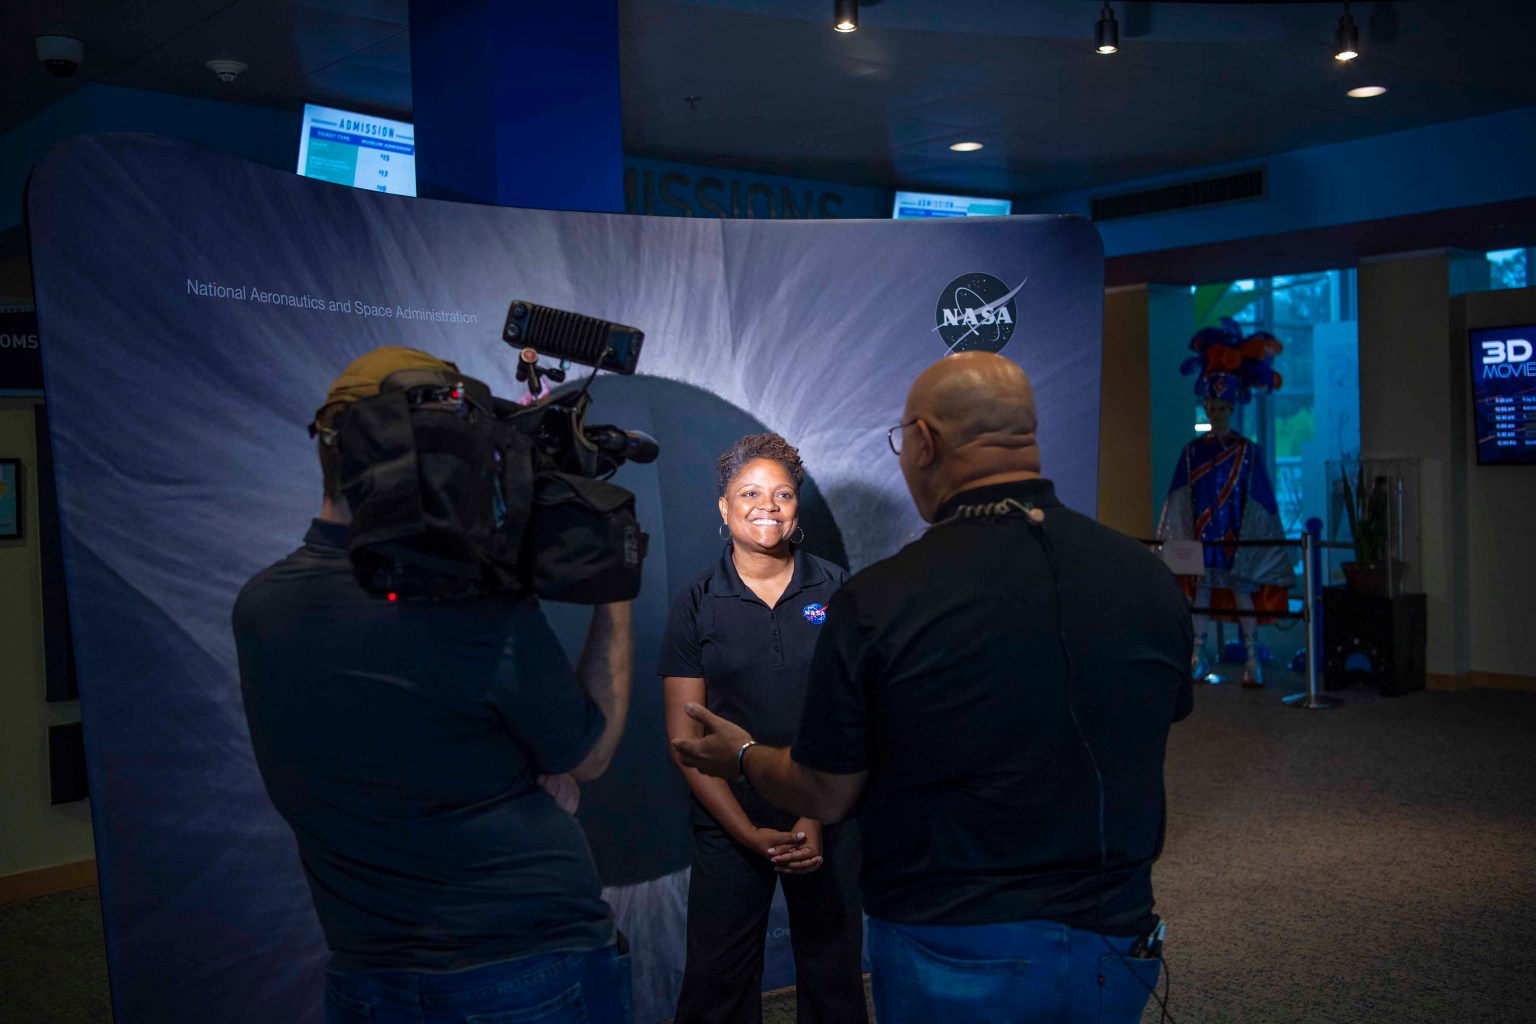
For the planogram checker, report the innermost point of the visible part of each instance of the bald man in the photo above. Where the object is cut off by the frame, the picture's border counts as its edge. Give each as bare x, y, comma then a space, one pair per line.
994, 700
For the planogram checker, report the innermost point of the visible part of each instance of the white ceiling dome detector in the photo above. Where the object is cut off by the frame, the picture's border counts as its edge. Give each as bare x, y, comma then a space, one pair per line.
227, 70
61, 55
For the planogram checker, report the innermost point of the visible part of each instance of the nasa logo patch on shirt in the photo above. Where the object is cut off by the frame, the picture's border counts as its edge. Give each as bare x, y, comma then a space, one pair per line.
815, 614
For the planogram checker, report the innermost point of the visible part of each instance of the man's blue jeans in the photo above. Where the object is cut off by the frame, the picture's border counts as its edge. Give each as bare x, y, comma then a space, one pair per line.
1017, 972
557, 988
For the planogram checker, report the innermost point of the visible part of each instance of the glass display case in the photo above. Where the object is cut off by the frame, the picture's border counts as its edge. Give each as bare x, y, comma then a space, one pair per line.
1373, 514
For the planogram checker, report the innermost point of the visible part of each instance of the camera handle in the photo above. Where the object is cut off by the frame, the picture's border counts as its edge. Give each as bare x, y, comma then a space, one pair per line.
529, 370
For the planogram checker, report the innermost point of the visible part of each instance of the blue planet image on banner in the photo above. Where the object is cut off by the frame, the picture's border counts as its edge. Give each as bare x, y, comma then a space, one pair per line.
193, 309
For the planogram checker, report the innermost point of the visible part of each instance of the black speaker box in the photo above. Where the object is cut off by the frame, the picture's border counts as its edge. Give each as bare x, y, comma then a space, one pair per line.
1388, 631
66, 764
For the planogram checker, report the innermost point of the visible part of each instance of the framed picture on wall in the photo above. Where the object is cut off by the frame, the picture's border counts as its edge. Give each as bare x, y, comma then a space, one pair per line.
10, 499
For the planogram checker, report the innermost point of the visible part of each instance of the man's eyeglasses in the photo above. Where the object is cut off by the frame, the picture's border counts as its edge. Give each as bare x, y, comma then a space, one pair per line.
893, 436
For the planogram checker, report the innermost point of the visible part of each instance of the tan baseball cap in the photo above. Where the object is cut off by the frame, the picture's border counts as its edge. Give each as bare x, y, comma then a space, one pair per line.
362, 377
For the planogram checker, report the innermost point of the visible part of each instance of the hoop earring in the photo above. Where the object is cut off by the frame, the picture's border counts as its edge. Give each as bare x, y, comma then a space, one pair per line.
799, 535
723, 533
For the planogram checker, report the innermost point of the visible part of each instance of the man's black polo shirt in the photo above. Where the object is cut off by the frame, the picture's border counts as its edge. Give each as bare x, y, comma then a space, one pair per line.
753, 659
941, 672
402, 742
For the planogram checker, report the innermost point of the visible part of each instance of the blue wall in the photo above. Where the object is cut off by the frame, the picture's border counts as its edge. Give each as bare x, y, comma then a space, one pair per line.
517, 104
1445, 166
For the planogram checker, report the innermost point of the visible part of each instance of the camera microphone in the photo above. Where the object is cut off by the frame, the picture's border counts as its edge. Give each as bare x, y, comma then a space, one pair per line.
634, 445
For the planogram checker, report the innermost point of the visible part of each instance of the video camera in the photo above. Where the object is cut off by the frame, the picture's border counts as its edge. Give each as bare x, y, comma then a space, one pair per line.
455, 492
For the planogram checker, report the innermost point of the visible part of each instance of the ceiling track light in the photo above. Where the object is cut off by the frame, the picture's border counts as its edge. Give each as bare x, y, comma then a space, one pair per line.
1106, 32
845, 15
1346, 38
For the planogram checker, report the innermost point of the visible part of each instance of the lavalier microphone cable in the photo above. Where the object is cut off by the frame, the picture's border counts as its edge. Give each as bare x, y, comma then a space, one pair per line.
1034, 518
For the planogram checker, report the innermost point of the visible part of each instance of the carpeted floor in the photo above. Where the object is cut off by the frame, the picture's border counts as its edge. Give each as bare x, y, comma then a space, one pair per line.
1376, 863
53, 962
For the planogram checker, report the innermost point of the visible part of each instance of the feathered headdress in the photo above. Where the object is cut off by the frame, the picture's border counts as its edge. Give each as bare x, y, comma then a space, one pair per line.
1231, 367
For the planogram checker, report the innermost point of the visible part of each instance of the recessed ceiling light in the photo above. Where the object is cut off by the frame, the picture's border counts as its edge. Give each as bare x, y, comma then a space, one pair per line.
1365, 92
966, 147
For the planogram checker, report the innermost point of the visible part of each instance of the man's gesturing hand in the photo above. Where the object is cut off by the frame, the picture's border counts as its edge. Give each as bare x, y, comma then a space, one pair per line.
713, 753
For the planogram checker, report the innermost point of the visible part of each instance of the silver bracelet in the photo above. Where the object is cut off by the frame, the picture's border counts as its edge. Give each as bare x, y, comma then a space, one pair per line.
741, 767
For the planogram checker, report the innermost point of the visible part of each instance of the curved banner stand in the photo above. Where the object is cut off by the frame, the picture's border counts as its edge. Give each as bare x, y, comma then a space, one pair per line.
194, 308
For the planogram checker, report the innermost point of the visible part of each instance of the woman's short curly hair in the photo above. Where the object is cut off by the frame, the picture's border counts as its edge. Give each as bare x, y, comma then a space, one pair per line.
760, 446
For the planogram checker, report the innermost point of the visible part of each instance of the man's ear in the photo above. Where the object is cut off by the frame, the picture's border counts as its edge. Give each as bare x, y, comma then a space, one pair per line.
927, 447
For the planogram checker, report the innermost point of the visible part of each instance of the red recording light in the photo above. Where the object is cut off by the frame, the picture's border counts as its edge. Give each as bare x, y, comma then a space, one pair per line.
393, 596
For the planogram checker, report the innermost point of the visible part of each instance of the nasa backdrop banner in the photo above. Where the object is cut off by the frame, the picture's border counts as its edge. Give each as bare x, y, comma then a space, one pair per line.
193, 309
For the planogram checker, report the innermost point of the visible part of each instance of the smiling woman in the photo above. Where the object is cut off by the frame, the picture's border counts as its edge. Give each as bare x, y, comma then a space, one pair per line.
760, 481
739, 640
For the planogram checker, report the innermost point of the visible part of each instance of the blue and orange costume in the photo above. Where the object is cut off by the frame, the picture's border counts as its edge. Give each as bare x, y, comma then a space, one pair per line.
1223, 486
1221, 491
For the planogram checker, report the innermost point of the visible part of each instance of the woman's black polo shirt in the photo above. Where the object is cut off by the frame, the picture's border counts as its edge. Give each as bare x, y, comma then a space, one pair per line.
754, 660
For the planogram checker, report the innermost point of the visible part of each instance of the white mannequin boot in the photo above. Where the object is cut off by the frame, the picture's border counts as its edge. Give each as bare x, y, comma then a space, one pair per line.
1253, 674
1199, 665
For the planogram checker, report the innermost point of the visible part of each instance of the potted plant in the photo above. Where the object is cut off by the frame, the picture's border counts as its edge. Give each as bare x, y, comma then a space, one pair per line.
1370, 527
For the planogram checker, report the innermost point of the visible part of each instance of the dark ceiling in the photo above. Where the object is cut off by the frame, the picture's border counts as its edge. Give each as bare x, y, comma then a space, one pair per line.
347, 52
1194, 84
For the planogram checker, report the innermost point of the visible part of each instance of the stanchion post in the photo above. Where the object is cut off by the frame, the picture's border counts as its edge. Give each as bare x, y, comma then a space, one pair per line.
1314, 529
1312, 700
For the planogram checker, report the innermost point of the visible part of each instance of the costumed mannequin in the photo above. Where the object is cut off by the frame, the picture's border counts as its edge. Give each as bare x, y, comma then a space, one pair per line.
1221, 492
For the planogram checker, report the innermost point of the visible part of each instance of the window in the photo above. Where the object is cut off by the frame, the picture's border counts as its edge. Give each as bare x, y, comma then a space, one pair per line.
1509, 268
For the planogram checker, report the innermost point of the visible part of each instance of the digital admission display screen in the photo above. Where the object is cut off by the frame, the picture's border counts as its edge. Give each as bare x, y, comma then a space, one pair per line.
359, 150
910, 205
1504, 394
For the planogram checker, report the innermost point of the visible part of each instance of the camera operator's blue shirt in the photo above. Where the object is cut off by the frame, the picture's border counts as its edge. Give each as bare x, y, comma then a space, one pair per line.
402, 741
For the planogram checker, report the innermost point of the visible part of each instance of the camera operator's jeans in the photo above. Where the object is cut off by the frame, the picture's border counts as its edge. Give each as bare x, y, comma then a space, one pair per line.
1016, 972
557, 988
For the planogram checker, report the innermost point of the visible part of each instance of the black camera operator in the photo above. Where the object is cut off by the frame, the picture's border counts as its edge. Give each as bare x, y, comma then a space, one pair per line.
414, 746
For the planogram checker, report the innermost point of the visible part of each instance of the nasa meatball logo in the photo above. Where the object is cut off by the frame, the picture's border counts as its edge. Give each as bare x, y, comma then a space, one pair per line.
815, 614
976, 311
